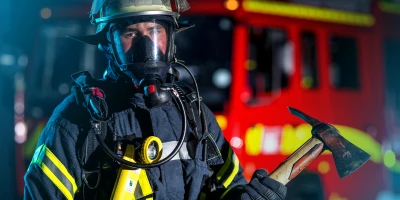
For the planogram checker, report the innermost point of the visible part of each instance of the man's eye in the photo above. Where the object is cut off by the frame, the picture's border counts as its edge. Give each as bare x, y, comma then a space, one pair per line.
130, 34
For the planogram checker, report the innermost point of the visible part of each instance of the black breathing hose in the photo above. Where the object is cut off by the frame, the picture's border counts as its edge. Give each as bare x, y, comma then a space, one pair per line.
96, 127
195, 84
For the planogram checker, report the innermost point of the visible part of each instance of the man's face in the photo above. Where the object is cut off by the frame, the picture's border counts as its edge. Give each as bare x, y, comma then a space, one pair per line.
129, 35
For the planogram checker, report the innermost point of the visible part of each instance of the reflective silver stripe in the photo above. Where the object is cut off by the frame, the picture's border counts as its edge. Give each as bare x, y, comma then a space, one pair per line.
186, 152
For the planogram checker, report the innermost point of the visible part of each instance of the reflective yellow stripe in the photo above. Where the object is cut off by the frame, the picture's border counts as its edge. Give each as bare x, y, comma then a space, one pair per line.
56, 181
55, 171
234, 171
226, 192
225, 166
223, 172
61, 167
145, 184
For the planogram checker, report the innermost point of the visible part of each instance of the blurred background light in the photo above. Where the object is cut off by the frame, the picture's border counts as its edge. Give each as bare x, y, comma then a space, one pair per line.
7, 60
19, 108
389, 158
221, 78
63, 88
270, 143
45, 13
231, 4
20, 132
302, 134
336, 196
225, 24
222, 121
236, 142
23, 60
323, 167
307, 82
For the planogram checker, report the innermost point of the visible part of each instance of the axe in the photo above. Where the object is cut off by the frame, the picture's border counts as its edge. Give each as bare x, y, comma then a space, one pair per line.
348, 157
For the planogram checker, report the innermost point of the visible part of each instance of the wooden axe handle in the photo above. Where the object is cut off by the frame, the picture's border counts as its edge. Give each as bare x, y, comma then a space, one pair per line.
298, 161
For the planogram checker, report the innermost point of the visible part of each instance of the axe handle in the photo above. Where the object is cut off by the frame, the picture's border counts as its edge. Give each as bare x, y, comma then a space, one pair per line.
298, 161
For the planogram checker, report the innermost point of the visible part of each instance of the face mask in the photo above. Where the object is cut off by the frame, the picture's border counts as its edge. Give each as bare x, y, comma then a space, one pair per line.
143, 48
142, 52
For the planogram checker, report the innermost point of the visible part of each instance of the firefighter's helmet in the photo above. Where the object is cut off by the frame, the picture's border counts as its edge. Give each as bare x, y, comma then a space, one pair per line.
105, 11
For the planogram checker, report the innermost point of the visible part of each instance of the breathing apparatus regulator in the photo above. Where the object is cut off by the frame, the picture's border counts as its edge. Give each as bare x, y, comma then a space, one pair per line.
137, 36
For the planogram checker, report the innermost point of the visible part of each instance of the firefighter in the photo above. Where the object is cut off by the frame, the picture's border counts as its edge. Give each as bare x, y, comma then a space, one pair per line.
79, 154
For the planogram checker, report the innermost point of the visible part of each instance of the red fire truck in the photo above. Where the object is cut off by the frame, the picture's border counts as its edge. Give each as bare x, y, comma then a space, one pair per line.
334, 60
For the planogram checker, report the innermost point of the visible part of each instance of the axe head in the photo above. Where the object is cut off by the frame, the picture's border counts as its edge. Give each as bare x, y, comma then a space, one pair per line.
348, 157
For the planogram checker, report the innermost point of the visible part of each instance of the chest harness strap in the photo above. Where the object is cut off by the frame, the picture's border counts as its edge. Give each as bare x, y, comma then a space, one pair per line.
90, 95
93, 98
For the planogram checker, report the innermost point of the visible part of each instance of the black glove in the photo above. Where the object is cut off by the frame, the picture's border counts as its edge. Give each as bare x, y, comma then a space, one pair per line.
261, 187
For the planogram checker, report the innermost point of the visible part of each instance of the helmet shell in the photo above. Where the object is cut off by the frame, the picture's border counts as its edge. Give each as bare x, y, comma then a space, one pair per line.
105, 11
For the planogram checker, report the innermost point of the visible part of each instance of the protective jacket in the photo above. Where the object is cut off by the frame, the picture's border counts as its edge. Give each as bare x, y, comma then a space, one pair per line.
66, 165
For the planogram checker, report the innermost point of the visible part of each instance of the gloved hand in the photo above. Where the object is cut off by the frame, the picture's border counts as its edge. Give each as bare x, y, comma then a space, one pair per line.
261, 187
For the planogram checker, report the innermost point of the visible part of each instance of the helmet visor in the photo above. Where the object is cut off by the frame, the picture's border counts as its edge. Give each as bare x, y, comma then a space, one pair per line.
142, 42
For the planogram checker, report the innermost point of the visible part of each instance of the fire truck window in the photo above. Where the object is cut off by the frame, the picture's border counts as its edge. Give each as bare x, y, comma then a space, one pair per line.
270, 62
207, 50
344, 63
309, 71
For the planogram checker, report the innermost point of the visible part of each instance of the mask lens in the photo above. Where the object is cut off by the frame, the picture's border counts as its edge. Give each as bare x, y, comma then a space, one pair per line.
141, 42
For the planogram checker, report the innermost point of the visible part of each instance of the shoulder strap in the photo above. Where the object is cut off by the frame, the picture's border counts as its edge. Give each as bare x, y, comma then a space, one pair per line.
189, 99
90, 95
